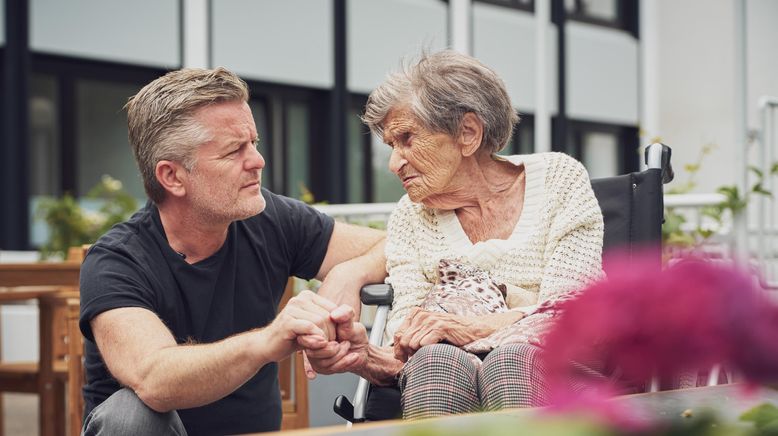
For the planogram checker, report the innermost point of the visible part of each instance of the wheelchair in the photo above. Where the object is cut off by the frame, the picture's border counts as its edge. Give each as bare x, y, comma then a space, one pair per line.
633, 211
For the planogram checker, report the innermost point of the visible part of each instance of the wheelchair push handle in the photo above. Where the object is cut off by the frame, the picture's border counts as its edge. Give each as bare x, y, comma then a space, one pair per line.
657, 155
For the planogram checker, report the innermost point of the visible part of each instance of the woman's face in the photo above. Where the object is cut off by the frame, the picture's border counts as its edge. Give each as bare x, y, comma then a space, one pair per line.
424, 161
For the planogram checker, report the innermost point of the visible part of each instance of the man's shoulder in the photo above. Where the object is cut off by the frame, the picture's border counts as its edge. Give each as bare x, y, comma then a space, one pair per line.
129, 239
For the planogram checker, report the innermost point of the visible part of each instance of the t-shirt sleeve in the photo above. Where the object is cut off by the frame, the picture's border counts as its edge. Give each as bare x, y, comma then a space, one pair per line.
306, 235
109, 280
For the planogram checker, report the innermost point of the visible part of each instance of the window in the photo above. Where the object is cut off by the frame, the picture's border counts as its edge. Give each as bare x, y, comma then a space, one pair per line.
291, 123
358, 181
605, 149
369, 178
260, 111
45, 171
621, 14
527, 5
102, 146
523, 139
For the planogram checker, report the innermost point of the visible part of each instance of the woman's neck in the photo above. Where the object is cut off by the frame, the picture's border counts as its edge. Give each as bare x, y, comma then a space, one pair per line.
481, 182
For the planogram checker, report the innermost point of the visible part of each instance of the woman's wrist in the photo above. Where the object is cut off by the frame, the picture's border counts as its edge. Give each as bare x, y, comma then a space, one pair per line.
381, 368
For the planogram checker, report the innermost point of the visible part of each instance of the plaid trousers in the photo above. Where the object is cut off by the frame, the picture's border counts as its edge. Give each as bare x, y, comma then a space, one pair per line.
442, 380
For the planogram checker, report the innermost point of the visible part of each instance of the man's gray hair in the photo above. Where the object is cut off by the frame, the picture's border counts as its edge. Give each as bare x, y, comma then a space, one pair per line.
439, 90
161, 122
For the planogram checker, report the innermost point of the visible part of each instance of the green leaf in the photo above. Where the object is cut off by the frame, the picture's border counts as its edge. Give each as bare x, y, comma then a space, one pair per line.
762, 416
759, 189
756, 171
691, 168
774, 168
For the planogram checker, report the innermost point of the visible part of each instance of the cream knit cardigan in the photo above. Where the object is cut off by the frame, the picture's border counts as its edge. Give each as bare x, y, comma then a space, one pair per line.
555, 247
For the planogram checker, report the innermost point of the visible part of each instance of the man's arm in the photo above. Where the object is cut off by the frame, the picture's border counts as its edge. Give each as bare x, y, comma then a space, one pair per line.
355, 257
141, 353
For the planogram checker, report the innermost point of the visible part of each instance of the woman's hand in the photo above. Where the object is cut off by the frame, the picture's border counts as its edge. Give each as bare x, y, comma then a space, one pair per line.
422, 328
347, 354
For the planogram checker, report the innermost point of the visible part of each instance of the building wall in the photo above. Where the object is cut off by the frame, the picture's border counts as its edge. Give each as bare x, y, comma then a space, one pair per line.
697, 88
143, 32
382, 33
283, 41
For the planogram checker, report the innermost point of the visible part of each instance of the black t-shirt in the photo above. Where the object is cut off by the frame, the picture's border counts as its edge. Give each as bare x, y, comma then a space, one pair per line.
236, 289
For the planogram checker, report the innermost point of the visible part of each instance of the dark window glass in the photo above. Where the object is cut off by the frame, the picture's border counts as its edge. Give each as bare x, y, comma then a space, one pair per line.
259, 110
620, 14
298, 180
101, 131
45, 171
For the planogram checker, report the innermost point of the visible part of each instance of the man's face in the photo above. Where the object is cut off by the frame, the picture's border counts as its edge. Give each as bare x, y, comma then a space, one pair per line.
224, 183
425, 161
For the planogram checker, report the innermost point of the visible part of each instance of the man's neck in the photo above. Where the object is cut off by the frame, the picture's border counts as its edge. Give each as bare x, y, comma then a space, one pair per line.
193, 237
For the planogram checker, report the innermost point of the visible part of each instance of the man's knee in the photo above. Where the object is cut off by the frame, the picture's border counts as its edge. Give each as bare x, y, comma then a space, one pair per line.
123, 413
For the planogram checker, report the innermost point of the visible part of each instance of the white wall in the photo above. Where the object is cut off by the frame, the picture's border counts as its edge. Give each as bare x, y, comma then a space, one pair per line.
602, 74
144, 32
381, 33
19, 330
696, 86
762, 60
504, 39
283, 41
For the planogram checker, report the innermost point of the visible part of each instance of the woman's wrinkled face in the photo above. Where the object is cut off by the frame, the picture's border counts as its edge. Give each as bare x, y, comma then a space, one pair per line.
425, 161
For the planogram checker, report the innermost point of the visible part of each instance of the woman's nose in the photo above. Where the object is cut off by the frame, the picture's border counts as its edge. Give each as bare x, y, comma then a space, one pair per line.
396, 160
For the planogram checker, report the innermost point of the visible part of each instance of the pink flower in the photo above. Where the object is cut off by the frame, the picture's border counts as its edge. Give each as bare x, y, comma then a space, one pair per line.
645, 322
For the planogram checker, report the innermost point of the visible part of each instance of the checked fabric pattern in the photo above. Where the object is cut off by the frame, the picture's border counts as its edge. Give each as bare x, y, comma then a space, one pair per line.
442, 379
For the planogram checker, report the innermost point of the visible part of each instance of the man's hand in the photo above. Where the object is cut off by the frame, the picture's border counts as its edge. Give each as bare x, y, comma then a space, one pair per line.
349, 354
306, 315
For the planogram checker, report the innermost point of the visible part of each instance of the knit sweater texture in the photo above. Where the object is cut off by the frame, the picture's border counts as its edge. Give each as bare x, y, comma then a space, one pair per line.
555, 247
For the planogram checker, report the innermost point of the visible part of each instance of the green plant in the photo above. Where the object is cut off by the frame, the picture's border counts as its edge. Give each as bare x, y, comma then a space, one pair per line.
71, 225
676, 235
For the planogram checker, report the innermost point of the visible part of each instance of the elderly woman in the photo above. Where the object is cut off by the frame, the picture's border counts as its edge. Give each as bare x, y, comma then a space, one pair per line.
531, 222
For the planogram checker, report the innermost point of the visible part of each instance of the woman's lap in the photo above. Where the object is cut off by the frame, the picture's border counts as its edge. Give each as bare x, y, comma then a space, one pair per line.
439, 380
442, 379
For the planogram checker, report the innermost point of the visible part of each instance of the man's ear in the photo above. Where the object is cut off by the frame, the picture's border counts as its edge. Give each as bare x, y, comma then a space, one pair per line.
171, 175
471, 133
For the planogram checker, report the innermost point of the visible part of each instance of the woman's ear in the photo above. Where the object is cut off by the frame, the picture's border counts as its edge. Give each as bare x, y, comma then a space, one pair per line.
471, 133
171, 175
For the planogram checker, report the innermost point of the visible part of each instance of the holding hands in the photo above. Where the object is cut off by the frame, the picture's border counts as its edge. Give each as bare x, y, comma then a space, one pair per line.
346, 353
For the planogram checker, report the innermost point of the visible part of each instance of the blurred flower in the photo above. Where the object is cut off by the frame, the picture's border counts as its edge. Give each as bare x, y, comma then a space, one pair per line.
111, 184
644, 322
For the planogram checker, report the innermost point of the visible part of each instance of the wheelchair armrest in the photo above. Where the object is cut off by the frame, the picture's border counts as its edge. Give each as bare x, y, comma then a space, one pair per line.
377, 295
380, 295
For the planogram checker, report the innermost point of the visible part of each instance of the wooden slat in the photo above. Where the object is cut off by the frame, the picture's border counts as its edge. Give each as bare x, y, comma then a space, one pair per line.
39, 274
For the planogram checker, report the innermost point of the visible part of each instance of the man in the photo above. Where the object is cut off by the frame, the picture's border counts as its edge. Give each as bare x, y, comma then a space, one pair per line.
176, 302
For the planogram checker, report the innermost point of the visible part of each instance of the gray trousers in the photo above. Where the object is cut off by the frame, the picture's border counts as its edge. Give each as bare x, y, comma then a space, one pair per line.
123, 413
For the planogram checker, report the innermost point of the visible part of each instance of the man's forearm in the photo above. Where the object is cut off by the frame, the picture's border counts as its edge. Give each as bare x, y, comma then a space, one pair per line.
344, 281
193, 375
371, 266
381, 368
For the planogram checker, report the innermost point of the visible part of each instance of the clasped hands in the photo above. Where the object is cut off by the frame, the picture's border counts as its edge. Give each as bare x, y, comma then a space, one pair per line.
337, 343
345, 347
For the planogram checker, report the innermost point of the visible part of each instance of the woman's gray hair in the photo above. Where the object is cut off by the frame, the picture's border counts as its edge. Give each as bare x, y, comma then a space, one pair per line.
439, 90
161, 122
